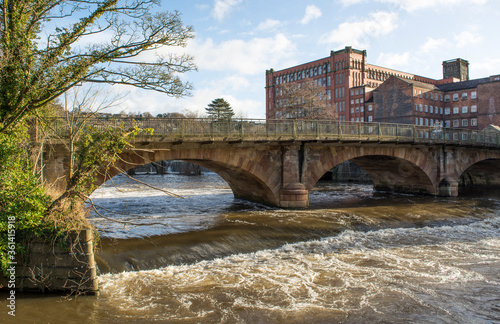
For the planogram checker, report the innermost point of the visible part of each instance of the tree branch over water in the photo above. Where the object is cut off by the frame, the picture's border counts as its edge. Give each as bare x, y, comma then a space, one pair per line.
171, 194
116, 220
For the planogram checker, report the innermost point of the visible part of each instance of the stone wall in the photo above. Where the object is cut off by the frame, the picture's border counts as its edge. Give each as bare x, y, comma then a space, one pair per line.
57, 267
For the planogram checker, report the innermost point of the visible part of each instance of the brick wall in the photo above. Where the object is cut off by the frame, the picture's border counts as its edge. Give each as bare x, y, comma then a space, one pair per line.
488, 104
393, 102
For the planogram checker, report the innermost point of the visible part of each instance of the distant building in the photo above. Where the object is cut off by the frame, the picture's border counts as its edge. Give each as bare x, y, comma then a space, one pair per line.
456, 68
472, 104
361, 92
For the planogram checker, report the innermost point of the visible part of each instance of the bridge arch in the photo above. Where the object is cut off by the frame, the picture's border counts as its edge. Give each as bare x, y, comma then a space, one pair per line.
241, 169
282, 172
390, 169
473, 167
482, 173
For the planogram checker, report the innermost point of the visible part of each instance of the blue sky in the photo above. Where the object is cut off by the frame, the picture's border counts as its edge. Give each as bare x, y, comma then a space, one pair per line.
237, 40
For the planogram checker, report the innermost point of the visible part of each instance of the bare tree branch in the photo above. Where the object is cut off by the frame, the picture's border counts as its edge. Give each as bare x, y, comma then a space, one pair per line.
36, 69
171, 194
116, 220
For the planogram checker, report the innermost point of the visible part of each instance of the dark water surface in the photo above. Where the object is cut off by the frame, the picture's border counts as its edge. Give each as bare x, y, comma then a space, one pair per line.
354, 256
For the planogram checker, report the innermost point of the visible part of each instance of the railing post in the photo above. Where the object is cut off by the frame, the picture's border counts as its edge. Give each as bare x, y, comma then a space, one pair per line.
379, 130
182, 128
294, 128
397, 136
359, 131
241, 128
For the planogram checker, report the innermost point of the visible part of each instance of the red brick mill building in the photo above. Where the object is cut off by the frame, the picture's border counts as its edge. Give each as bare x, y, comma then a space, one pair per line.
362, 92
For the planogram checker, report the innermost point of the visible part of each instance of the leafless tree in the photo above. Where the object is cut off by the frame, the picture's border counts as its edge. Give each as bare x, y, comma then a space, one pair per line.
303, 100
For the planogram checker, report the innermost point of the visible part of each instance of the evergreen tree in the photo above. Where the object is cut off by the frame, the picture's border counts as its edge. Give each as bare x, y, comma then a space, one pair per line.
220, 109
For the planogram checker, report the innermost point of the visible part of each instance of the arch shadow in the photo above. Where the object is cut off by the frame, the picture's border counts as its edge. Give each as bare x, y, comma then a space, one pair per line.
485, 173
390, 174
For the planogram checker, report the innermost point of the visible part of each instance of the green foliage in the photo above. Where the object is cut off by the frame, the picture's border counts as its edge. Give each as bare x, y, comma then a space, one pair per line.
99, 148
219, 109
22, 199
96, 152
42, 56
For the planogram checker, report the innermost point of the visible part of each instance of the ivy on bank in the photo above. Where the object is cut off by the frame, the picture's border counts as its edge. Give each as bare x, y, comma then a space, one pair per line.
23, 201
26, 208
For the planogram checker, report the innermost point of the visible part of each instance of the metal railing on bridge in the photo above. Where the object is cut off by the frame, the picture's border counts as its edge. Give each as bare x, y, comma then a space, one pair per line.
203, 129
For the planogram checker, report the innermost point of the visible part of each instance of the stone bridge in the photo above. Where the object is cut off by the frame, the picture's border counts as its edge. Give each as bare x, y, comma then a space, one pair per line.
278, 164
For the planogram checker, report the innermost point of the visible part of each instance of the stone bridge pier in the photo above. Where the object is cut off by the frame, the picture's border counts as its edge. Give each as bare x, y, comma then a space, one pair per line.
282, 173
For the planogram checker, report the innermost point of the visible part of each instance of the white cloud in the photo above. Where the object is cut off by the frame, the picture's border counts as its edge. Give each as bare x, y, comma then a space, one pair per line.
394, 60
250, 57
232, 69
433, 44
485, 67
413, 5
312, 12
347, 3
467, 38
223, 7
359, 33
234, 83
268, 25
246, 108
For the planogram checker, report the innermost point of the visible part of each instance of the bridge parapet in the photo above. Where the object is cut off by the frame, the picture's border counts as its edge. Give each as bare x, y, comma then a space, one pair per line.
206, 129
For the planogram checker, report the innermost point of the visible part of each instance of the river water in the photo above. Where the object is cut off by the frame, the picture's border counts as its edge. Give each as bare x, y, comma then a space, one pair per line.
355, 256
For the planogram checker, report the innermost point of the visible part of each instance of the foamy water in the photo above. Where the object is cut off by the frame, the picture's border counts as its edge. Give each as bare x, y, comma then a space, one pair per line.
355, 256
444, 274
